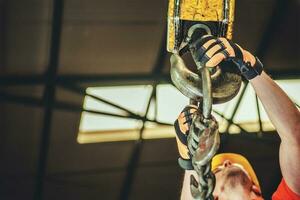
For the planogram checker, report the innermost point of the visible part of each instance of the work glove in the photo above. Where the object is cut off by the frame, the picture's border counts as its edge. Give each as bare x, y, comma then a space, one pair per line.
210, 51
182, 126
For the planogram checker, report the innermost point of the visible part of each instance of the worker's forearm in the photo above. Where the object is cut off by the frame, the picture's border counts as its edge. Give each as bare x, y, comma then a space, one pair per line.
186, 192
280, 109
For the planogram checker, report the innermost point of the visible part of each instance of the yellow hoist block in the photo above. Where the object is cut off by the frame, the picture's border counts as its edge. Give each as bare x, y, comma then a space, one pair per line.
199, 11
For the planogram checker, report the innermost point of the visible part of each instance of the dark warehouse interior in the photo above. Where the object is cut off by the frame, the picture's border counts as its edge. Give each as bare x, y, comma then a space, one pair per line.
52, 50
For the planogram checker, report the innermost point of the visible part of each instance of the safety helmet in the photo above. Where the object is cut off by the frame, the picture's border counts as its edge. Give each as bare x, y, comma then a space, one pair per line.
238, 159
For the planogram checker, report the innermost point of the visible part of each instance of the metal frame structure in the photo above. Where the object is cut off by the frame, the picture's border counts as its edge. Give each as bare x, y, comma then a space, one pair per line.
49, 96
51, 80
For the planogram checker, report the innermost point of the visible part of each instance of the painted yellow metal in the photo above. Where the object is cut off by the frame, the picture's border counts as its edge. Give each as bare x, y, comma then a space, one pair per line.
171, 28
199, 10
202, 10
229, 33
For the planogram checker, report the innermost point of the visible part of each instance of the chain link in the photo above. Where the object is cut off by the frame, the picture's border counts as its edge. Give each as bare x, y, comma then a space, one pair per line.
206, 183
203, 141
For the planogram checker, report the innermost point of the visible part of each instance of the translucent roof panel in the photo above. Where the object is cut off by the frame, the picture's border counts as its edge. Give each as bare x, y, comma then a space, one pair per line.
170, 102
165, 108
132, 98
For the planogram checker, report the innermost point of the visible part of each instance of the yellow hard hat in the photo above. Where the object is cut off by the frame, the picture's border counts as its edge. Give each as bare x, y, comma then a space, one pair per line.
235, 158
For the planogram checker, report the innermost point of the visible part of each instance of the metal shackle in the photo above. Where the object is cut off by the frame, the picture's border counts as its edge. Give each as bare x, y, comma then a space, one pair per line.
225, 85
225, 82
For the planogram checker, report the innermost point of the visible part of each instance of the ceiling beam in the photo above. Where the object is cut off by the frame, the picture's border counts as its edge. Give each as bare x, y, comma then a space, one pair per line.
49, 97
114, 79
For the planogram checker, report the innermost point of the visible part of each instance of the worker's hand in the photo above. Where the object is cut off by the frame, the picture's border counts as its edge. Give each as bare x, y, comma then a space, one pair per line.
182, 127
210, 51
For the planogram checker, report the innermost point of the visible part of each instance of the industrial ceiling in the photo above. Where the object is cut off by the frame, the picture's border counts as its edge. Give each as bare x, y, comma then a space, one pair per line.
49, 47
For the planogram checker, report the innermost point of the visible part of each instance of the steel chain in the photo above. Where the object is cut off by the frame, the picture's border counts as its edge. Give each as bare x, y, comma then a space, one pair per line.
204, 188
203, 142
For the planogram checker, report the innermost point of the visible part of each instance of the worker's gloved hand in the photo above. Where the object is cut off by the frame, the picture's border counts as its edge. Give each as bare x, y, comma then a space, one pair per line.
210, 51
182, 126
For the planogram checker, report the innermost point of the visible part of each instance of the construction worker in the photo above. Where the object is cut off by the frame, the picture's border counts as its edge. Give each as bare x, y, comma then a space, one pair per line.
235, 178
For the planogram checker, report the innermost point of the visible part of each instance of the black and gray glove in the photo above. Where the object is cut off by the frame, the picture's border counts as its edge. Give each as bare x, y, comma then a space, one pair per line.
182, 126
211, 51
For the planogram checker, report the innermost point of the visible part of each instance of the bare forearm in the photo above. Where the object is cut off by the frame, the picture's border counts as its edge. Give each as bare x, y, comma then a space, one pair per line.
286, 119
185, 192
280, 109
